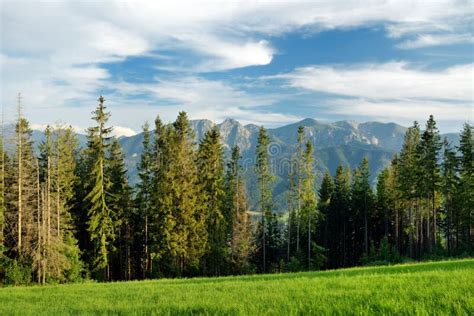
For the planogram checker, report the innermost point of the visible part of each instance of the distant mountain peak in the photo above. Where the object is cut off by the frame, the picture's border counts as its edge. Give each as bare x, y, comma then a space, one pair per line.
230, 121
308, 122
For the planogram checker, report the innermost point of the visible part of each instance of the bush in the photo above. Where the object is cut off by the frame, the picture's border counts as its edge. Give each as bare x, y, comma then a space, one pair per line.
14, 273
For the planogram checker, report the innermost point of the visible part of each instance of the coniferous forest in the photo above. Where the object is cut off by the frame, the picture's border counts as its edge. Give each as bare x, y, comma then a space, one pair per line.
69, 213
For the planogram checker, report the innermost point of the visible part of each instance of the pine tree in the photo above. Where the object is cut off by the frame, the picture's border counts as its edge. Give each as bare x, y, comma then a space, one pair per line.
299, 160
101, 226
57, 251
430, 146
338, 219
120, 205
309, 212
145, 197
240, 230
410, 182
210, 163
182, 232
386, 201
450, 185
264, 180
161, 235
466, 197
362, 202
3, 158
22, 195
325, 194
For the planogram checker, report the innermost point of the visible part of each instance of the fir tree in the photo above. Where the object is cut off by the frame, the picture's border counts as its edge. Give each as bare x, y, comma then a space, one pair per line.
240, 230
430, 146
144, 198
325, 194
264, 181
337, 218
309, 211
101, 226
210, 163
362, 197
450, 185
120, 206
466, 197
410, 181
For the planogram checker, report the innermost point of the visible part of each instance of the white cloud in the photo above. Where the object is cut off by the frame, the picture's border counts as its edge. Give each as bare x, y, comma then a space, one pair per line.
435, 40
394, 80
209, 99
401, 111
393, 91
52, 51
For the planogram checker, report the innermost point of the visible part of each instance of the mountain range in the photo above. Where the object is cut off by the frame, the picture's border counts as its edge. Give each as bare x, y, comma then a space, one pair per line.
343, 142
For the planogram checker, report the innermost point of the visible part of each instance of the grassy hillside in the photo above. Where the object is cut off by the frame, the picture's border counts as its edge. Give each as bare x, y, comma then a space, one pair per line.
425, 289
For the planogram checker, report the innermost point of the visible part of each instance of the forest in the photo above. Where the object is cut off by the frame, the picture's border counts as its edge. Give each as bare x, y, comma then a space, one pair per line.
69, 214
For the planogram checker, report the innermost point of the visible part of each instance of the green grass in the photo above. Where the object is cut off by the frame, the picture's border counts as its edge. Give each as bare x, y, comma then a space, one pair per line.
434, 288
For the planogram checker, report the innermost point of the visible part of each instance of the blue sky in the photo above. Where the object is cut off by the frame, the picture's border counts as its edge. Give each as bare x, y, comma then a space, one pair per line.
269, 63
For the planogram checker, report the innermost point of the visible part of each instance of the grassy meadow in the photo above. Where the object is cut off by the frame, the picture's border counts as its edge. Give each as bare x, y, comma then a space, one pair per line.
434, 288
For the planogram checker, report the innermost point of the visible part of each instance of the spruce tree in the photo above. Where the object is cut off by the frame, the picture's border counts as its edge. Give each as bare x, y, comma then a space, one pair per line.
430, 146
338, 219
100, 223
450, 185
309, 212
362, 197
325, 192
264, 181
120, 205
466, 196
22, 195
2, 194
144, 198
181, 228
210, 163
410, 183
299, 173
240, 230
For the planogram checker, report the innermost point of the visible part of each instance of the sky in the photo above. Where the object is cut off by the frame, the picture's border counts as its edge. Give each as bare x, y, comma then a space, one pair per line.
260, 62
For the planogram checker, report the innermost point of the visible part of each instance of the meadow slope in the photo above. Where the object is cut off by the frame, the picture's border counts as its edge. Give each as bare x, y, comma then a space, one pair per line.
425, 289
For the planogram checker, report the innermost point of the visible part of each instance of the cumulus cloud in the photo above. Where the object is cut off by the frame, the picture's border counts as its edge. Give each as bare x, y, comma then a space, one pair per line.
395, 80
210, 99
436, 40
401, 111
54, 51
393, 91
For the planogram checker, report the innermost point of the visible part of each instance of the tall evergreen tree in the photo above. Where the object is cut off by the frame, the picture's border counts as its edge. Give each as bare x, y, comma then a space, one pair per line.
325, 193
264, 181
450, 185
466, 196
338, 219
409, 178
22, 195
120, 205
3, 158
101, 226
309, 212
183, 235
430, 147
144, 198
240, 230
299, 173
362, 203
210, 163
